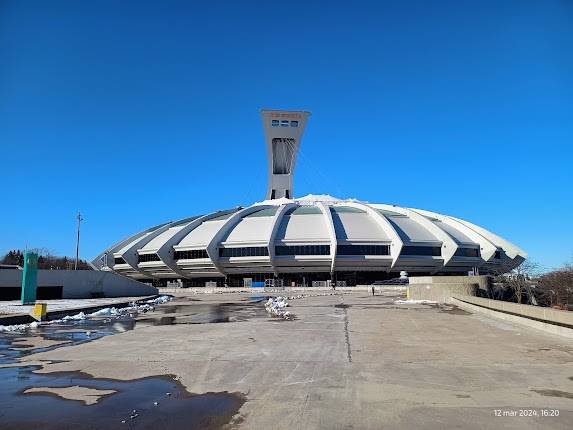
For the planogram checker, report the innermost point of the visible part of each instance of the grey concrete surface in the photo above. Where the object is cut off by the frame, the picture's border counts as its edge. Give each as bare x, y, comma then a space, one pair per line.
524, 319
556, 316
349, 361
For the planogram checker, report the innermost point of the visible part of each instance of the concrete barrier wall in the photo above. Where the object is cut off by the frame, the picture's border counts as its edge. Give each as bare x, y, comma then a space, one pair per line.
520, 320
221, 290
81, 284
442, 288
483, 282
554, 316
441, 293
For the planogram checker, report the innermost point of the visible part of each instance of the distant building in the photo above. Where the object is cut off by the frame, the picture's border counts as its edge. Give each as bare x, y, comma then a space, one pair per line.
10, 267
284, 240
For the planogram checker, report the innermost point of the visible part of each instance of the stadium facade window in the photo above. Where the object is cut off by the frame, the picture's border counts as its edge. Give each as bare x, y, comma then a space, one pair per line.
303, 250
284, 123
252, 251
363, 250
432, 251
294, 123
119, 260
144, 258
191, 254
467, 252
275, 122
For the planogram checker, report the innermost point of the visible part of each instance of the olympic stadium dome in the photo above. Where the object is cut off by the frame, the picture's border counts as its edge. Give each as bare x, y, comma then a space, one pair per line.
306, 241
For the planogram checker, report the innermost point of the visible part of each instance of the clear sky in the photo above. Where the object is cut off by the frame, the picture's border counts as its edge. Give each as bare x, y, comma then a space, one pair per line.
138, 112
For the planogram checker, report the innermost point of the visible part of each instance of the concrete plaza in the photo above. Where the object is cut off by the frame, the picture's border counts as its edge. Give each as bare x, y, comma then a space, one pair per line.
348, 361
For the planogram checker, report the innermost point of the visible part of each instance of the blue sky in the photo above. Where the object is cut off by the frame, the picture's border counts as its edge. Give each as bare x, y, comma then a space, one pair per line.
137, 113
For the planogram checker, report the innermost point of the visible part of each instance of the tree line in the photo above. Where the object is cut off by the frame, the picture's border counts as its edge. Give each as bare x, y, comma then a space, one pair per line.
525, 284
45, 260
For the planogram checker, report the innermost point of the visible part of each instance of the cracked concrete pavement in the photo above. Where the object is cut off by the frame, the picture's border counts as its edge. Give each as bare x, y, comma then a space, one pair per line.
347, 361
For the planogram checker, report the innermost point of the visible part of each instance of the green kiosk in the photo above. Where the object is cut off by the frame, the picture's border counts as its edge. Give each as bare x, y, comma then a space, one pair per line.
30, 278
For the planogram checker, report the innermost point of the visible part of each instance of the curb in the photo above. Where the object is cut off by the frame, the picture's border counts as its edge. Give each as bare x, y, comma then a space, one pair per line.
523, 321
60, 313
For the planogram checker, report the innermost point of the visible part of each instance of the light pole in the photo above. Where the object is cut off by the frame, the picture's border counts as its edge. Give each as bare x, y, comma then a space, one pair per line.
80, 219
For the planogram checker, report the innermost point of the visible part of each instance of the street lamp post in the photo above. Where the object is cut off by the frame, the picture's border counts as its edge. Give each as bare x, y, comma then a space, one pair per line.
80, 219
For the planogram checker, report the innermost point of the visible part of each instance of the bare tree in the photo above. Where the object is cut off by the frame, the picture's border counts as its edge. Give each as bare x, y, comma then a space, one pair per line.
557, 286
519, 281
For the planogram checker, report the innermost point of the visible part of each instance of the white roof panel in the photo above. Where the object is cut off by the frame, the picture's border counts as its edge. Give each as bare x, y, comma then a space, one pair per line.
411, 231
133, 242
457, 235
156, 243
303, 227
251, 229
357, 226
202, 234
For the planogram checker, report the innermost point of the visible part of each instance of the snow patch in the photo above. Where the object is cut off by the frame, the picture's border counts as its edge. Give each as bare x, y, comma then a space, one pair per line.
274, 202
13, 327
415, 302
307, 200
318, 198
159, 300
276, 307
19, 327
104, 312
133, 308
76, 317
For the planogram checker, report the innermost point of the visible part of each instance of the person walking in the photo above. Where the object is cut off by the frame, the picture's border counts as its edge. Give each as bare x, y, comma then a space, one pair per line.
373, 291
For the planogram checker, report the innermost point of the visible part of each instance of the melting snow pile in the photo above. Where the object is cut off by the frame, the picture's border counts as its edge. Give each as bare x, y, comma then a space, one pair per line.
276, 307
19, 327
160, 300
133, 308
76, 317
414, 302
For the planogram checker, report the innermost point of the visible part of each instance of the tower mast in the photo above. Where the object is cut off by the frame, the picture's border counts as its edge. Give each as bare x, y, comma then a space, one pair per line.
283, 136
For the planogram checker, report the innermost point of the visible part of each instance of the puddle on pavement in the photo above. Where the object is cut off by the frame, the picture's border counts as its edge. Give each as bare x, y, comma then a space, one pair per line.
205, 313
368, 306
259, 299
178, 410
15, 345
133, 403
